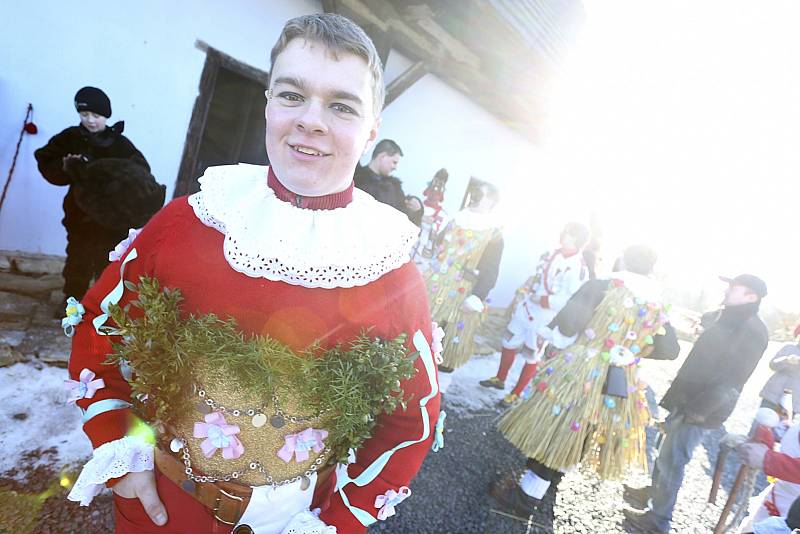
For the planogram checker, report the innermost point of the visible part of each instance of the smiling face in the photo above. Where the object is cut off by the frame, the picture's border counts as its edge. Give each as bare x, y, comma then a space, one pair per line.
320, 118
92, 121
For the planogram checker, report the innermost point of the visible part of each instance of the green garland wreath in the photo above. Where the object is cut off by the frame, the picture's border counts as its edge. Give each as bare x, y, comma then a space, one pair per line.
359, 383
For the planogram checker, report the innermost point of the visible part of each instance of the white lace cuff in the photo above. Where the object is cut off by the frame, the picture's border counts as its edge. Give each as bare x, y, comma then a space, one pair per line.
111, 460
308, 522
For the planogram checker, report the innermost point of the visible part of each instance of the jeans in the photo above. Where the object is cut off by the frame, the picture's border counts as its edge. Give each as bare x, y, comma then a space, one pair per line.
673, 455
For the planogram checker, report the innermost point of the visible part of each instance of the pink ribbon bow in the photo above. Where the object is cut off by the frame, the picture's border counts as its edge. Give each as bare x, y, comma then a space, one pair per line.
219, 435
123, 246
85, 387
299, 444
389, 500
436, 346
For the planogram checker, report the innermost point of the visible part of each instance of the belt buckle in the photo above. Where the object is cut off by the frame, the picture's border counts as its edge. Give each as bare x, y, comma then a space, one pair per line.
217, 503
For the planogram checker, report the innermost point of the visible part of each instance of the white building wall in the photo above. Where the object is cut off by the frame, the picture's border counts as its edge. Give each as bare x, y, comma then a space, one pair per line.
144, 56
437, 126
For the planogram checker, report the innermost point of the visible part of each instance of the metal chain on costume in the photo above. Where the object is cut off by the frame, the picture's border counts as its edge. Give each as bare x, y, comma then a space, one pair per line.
254, 466
250, 412
295, 418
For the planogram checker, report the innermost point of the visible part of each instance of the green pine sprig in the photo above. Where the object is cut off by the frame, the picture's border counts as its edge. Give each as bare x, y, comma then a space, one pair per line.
356, 383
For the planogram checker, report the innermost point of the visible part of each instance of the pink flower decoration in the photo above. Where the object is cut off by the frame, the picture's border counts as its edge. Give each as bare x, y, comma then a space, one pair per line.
389, 500
85, 387
609, 343
219, 435
299, 444
122, 246
436, 346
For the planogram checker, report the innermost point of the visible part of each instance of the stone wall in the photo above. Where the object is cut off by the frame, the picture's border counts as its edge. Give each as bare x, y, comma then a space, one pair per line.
30, 292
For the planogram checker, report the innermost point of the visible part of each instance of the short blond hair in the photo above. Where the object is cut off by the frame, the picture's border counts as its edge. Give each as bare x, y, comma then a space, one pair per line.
337, 34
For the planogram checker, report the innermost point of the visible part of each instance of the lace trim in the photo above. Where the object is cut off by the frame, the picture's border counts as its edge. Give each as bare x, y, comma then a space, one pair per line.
111, 460
266, 237
308, 522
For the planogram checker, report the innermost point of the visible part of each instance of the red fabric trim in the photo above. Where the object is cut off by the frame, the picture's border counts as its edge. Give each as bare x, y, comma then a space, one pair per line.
547, 270
507, 357
782, 466
567, 255
525, 377
325, 202
107, 426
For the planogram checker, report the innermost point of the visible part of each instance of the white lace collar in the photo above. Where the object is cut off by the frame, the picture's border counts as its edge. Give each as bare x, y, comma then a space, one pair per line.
266, 237
473, 220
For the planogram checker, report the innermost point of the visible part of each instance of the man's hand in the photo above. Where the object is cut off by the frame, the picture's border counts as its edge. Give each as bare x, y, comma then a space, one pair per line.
67, 160
693, 419
142, 486
752, 454
472, 304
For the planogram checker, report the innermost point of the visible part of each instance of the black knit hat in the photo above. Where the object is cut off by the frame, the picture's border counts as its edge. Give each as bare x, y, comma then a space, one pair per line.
94, 100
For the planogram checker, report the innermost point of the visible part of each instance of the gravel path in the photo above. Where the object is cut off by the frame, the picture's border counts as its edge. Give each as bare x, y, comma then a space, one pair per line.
450, 492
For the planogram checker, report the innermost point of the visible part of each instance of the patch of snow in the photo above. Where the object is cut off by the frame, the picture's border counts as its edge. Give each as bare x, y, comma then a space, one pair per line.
48, 420
465, 395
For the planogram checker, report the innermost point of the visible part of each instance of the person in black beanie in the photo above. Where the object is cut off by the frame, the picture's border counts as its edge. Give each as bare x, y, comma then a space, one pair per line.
110, 188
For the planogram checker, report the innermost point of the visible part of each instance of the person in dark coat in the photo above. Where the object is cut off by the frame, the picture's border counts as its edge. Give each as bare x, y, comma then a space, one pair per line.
110, 188
702, 396
376, 177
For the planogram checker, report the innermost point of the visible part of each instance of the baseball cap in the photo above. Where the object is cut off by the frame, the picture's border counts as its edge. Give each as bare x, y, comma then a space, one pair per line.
750, 281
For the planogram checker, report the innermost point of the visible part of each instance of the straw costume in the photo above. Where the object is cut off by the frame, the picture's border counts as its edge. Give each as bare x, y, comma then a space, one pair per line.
588, 405
465, 269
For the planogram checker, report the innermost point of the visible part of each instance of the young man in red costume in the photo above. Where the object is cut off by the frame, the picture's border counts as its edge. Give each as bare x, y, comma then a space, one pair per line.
291, 252
558, 276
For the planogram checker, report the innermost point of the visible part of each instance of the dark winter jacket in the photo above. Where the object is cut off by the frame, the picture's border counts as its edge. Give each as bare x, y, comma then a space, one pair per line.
786, 377
711, 379
579, 309
386, 189
110, 143
488, 267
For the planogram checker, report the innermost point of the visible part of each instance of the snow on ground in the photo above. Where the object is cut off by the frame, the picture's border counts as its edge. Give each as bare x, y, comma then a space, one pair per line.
465, 395
34, 414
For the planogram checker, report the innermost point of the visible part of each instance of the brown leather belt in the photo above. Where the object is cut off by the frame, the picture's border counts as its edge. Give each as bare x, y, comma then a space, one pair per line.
226, 500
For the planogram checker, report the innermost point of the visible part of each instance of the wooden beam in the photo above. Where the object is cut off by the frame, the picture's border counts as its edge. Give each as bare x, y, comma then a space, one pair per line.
400, 84
197, 124
382, 41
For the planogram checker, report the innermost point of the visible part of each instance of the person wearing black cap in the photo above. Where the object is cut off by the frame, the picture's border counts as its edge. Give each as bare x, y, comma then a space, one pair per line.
110, 188
702, 396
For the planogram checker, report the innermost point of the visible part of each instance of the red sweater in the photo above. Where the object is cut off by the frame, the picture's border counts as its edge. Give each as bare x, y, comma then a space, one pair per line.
181, 252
